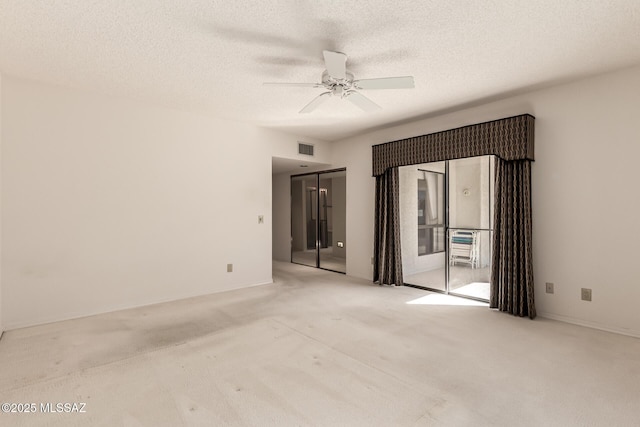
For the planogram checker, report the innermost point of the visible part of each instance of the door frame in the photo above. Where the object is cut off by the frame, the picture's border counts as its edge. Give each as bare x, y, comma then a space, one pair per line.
448, 228
317, 215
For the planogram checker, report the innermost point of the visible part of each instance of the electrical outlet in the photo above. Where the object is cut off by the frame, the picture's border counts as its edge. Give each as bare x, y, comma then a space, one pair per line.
549, 288
229, 268
586, 294
260, 219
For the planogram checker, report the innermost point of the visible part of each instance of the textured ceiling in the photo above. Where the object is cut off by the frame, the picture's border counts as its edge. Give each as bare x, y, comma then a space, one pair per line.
212, 56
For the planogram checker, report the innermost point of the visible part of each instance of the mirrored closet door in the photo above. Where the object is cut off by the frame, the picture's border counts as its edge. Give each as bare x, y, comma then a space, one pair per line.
318, 220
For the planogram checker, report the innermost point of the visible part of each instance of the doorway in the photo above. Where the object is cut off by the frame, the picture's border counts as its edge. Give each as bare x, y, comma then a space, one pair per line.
446, 225
318, 220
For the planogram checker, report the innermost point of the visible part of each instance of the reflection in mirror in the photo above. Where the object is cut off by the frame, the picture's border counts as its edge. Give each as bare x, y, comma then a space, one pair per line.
332, 214
303, 220
318, 220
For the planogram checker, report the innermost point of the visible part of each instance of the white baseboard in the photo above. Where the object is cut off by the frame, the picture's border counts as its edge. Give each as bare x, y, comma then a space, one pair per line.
78, 315
588, 324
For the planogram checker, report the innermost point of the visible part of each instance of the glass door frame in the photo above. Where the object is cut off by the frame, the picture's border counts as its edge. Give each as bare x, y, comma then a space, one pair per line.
448, 228
318, 243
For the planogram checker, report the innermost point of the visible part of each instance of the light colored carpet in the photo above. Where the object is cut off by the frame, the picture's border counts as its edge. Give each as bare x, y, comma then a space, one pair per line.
463, 280
320, 348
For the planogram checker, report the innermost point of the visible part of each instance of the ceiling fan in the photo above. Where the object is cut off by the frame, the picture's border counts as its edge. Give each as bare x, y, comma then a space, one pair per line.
340, 82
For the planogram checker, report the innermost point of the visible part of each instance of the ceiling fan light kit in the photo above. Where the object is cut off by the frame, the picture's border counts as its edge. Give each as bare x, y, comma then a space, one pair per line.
341, 83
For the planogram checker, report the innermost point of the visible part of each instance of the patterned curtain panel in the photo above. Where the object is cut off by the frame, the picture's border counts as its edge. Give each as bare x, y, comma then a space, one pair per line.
512, 269
387, 269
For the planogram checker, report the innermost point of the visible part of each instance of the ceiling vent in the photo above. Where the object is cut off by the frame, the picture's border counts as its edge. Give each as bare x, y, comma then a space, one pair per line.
306, 149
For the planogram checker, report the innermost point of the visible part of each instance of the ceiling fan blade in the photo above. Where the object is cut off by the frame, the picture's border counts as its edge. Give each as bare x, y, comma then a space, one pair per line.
336, 63
292, 84
315, 103
362, 101
405, 82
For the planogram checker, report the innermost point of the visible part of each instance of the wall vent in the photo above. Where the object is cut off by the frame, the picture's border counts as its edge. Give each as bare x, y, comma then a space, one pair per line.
306, 149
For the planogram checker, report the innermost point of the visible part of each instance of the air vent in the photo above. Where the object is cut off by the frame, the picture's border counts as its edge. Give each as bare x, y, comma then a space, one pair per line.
306, 149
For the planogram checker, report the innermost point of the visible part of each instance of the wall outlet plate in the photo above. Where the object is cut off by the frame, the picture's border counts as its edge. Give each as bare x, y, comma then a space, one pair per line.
585, 294
260, 219
549, 287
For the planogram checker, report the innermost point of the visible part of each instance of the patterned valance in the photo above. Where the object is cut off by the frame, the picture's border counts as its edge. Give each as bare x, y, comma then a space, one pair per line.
509, 139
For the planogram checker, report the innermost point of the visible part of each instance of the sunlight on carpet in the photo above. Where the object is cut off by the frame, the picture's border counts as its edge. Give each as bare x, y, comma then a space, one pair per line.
475, 289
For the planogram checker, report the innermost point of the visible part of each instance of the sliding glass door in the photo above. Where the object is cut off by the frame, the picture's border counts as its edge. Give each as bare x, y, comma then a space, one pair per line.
446, 214
423, 225
470, 226
318, 220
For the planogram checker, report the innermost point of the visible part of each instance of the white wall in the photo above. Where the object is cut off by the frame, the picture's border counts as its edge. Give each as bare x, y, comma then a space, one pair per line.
282, 217
1, 310
465, 174
355, 155
585, 200
111, 204
339, 215
286, 147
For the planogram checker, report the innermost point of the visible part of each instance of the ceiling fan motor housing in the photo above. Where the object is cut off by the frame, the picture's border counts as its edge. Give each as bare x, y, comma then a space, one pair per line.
338, 87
